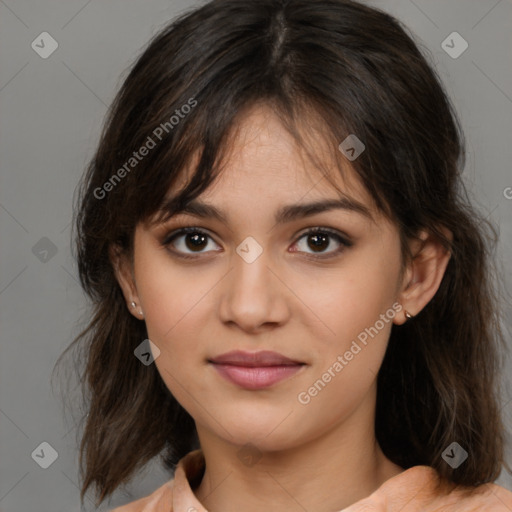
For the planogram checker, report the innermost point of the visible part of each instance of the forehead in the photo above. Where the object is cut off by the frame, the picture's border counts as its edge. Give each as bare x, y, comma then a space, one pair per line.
264, 160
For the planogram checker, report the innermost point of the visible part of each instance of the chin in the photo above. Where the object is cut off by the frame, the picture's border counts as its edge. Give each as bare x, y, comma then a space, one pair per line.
268, 434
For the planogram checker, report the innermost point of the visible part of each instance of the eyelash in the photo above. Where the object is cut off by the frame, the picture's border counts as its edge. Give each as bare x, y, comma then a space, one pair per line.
325, 231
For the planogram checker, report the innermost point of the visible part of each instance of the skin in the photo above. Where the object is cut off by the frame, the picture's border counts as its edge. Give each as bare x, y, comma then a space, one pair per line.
319, 456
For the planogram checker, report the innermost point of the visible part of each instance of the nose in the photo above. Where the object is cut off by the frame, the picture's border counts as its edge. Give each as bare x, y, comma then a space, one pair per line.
253, 298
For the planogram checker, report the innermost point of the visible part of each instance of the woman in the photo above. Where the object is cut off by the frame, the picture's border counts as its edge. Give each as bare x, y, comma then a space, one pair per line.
292, 295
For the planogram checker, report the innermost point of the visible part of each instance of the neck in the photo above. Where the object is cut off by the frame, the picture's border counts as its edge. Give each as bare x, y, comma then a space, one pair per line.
330, 472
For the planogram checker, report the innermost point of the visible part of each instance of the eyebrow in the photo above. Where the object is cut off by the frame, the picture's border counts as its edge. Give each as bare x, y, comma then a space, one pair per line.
285, 214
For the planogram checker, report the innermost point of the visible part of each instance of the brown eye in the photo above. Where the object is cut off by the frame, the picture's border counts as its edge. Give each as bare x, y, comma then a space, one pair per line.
188, 241
195, 241
320, 240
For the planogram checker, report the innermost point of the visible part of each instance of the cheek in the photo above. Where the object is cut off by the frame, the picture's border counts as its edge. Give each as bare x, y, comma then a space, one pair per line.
171, 296
177, 303
350, 300
348, 360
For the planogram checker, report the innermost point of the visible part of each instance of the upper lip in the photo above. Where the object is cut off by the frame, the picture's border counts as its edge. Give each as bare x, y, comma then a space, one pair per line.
262, 358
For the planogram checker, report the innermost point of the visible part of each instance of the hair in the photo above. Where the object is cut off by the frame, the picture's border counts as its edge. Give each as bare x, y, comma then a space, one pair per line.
355, 70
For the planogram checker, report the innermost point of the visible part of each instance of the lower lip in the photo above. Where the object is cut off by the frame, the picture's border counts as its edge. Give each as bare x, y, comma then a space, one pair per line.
257, 377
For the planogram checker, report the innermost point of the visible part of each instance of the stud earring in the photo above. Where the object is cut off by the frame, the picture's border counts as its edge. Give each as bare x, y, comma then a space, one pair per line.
408, 315
133, 305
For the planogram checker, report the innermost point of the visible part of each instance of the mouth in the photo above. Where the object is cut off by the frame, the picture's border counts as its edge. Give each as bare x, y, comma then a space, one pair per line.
255, 370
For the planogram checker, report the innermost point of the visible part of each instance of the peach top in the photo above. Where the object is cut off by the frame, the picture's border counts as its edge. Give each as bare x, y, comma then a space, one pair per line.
410, 491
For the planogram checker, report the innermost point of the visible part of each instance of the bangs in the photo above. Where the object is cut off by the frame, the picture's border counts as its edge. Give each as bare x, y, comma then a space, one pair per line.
186, 169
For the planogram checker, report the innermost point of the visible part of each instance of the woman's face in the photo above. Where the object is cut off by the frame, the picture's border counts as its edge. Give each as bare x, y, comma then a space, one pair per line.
256, 281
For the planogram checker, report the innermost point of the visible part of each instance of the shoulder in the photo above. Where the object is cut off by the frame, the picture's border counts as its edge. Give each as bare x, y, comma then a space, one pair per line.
416, 489
158, 501
175, 491
489, 496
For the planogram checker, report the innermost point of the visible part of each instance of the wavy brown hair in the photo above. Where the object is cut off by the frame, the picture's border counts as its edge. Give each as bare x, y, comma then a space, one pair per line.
356, 70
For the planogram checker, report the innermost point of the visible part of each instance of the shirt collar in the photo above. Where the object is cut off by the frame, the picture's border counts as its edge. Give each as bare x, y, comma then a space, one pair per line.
416, 484
187, 476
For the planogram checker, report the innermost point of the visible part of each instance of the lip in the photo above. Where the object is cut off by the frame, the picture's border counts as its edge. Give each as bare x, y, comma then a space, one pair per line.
255, 370
261, 358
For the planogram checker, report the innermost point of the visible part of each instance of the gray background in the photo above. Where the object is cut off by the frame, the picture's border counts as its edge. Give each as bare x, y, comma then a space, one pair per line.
51, 114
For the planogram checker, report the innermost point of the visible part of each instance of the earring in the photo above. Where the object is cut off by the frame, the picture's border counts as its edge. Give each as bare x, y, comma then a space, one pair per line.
408, 315
134, 305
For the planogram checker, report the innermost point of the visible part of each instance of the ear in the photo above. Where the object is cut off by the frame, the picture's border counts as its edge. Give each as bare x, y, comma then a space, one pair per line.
423, 274
123, 270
